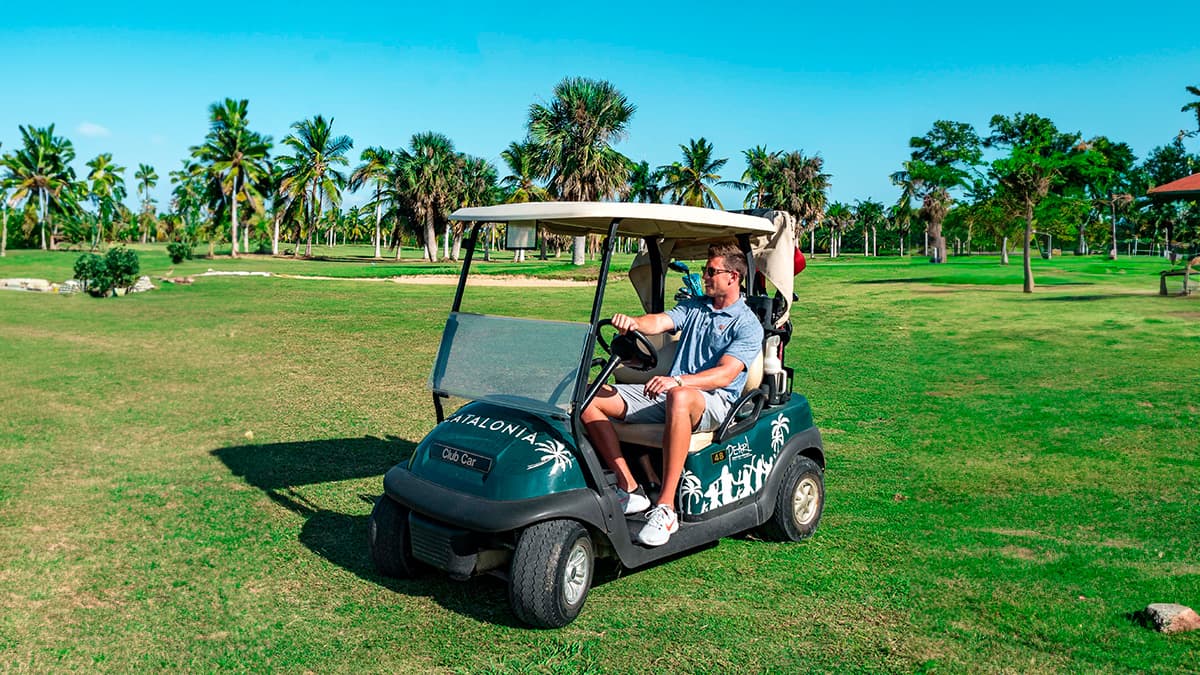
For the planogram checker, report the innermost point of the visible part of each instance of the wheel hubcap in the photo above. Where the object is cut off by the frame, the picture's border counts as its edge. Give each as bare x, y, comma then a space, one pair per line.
805, 500
577, 573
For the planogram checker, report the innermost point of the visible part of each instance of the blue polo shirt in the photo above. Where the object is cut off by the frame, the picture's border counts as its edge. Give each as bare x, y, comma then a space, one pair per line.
709, 334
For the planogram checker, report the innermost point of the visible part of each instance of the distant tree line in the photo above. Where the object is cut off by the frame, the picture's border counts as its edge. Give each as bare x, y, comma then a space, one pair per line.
1023, 183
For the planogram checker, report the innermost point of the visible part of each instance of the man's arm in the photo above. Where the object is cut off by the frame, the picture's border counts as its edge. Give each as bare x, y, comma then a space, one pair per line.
712, 379
646, 324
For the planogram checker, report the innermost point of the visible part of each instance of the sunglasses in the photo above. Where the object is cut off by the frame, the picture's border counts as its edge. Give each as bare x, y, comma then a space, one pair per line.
713, 271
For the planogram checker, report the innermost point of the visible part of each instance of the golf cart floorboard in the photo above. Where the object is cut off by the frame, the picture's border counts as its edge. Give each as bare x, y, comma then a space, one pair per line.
689, 535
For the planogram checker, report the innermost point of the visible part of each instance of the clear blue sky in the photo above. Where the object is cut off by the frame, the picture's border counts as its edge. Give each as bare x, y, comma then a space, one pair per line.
852, 81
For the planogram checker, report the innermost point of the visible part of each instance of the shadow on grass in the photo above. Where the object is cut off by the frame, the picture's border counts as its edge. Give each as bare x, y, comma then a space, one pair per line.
903, 280
278, 469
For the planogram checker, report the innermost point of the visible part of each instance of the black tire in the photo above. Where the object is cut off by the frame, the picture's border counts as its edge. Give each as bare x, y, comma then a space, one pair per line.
798, 503
551, 573
387, 536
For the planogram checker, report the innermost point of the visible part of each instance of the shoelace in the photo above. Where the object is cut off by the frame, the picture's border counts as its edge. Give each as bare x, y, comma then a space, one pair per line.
659, 516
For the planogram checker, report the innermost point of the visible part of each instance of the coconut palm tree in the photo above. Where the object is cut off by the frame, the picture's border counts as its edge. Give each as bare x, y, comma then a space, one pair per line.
107, 190
645, 184
310, 172
520, 185
428, 178
1193, 107
795, 183
760, 164
690, 182
376, 162
479, 186
147, 179
838, 217
41, 170
901, 213
236, 158
574, 134
869, 214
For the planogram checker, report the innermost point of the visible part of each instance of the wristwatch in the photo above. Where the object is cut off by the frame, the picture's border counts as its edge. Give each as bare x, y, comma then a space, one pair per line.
678, 380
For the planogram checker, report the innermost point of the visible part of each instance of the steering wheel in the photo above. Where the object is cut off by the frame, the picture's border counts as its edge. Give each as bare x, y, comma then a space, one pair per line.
632, 348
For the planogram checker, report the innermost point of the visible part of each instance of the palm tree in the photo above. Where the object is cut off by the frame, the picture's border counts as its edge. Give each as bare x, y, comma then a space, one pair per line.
869, 214
839, 217
3, 209
108, 189
236, 159
689, 182
795, 183
574, 134
901, 213
521, 182
760, 164
1193, 107
479, 186
147, 179
374, 170
645, 184
41, 170
310, 173
428, 178
188, 196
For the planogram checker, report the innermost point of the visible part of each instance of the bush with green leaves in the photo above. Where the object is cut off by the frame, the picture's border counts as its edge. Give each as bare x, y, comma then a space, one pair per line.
101, 276
179, 251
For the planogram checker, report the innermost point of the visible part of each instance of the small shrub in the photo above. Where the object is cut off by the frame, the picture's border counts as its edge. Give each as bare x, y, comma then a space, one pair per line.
123, 265
179, 251
100, 276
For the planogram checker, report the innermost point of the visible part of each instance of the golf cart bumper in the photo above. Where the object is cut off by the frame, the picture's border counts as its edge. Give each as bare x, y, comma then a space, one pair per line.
455, 509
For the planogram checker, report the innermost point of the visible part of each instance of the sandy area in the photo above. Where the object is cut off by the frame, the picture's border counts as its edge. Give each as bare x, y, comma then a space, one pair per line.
450, 279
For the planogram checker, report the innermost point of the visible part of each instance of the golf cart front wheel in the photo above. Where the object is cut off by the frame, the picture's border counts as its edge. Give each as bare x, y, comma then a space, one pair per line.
799, 502
387, 535
551, 573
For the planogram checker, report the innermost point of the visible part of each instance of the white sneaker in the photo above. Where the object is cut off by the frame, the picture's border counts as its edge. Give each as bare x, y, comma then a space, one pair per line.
633, 502
661, 523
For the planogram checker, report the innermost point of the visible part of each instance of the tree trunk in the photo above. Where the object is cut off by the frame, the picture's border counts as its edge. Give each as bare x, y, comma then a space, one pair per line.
578, 250
1028, 267
866, 243
233, 223
4, 231
937, 241
456, 248
42, 217
430, 240
378, 225
275, 234
246, 239
1113, 253
874, 242
1004, 251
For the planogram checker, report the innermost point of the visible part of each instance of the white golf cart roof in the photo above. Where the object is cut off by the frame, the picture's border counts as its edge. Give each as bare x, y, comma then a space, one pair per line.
684, 233
637, 220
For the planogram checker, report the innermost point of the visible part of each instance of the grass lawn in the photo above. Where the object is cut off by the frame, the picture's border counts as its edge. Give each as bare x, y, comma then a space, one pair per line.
185, 478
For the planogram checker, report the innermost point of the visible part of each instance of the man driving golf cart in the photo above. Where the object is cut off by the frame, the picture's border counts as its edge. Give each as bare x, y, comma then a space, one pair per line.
522, 478
721, 338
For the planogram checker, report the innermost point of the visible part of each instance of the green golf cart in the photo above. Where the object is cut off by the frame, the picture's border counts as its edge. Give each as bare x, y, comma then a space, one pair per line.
509, 484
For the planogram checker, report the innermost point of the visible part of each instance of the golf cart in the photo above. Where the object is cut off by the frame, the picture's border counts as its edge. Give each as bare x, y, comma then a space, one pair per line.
510, 484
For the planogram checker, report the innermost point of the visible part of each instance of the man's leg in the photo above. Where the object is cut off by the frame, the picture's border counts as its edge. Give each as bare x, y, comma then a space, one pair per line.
597, 419
685, 407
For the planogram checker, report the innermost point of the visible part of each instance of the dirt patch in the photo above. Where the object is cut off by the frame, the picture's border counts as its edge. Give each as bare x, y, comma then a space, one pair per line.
450, 280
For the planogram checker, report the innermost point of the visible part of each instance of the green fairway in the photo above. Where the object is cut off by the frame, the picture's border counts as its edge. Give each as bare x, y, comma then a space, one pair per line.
186, 474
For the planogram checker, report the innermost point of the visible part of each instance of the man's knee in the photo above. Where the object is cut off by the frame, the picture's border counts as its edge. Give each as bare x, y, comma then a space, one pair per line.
686, 401
606, 404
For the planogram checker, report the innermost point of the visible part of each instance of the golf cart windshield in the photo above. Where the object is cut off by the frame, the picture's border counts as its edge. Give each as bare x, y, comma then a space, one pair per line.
522, 363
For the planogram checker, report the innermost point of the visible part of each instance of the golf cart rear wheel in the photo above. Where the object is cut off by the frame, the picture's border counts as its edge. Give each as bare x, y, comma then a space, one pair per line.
387, 535
551, 573
799, 502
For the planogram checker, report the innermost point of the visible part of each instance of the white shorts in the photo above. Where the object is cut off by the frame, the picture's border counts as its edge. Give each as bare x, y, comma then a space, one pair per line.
641, 409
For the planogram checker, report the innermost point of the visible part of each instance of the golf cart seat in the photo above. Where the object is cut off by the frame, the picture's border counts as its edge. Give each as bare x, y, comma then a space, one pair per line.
652, 434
